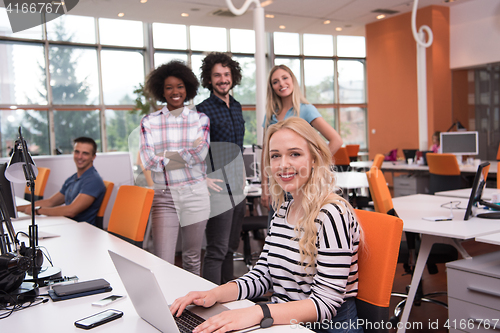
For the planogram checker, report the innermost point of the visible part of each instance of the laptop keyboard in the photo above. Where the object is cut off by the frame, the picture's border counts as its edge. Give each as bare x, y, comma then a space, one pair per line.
188, 321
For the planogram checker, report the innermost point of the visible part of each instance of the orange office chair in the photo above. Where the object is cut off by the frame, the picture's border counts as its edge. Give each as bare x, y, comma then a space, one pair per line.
99, 220
377, 260
498, 153
40, 184
130, 213
352, 152
444, 173
440, 253
378, 160
341, 160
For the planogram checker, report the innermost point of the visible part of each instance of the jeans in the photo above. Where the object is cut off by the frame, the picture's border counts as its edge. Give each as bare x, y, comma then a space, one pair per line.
223, 238
184, 207
341, 323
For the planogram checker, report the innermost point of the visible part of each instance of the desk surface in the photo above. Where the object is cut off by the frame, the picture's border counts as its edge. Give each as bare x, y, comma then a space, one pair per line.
82, 250
403, 167
465, 193
490, 239
351, 180
412, 208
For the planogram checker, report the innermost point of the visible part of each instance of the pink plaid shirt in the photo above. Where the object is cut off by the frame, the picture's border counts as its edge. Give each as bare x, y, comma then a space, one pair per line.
161, 131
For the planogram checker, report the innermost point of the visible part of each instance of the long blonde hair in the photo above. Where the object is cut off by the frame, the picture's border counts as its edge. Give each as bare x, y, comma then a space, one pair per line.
274, 102
318, 190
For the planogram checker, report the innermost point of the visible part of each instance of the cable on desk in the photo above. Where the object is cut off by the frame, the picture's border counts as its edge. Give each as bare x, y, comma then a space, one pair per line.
452, 205
10, 309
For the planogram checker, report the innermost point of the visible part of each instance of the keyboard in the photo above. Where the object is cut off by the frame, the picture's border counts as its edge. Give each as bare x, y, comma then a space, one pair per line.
188, 321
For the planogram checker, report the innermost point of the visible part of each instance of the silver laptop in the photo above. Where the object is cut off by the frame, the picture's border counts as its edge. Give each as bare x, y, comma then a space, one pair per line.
147, 297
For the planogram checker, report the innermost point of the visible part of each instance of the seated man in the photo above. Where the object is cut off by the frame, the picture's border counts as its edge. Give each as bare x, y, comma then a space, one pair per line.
82, 193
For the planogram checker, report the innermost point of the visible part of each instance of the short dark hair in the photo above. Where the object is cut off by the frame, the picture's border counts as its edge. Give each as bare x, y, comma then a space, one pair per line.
156, 80
225, 60
85, 139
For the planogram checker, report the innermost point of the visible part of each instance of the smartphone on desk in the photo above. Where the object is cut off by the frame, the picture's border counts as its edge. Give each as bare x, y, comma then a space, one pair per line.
98, 319
108, 300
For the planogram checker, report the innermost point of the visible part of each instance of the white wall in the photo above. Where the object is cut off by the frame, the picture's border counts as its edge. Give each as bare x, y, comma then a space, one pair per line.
113, 167
474, 33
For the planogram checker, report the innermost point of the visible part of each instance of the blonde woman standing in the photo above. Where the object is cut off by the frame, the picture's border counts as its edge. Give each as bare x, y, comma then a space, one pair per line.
310, 256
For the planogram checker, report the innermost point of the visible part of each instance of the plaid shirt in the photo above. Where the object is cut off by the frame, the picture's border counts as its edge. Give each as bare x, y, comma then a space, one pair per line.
161, 131
227, 129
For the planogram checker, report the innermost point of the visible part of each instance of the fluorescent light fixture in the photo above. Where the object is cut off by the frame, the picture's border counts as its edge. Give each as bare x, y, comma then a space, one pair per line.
338, 29
121, 14
381, 16
327, 22
282, 27
144, 1
266, 3
269, 16
184, 14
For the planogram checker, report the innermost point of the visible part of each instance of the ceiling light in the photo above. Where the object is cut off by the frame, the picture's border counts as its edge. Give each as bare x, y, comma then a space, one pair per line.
282, 27
121, 14
338, 29
269, 16
144, 1
184, 14
327, 22
381, 16
266, 3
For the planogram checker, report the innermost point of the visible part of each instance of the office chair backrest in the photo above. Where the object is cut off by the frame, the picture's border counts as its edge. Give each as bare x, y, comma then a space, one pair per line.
378, 160
498, 153
377, 260
130, 213
100, 214
443, 164
379, 190
352, 150
341, 159
40, 184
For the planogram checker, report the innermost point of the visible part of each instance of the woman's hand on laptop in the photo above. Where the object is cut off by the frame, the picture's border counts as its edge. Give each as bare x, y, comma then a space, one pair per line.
231, 320
200, 298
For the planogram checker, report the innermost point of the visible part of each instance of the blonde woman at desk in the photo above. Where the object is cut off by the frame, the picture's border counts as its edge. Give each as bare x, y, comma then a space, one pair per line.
284, 100
310, 256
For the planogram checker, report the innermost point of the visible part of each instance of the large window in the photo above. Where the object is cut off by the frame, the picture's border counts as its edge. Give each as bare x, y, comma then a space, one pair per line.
80, 75
331, 73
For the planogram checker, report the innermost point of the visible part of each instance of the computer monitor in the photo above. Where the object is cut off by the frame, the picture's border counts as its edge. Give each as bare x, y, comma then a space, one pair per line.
7, 190
459, 143
251, 165
477, 191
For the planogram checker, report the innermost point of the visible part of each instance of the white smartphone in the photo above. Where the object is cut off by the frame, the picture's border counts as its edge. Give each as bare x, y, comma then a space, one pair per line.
108, 300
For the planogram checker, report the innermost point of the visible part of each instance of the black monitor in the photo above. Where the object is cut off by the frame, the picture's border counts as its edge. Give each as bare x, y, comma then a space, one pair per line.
7, 191
410, 153
477, 191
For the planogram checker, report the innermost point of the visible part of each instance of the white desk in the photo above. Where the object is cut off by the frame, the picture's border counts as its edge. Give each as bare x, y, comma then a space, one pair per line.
401, 166
490, 239
465, 193
82, 250
412, 208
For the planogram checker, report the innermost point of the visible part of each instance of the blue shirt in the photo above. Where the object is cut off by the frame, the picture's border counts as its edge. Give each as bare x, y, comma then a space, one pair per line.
227, 129
226, 124
308, 112
89, 183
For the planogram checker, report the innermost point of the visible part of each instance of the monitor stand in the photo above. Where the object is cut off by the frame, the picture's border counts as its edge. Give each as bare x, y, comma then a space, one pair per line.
492, 215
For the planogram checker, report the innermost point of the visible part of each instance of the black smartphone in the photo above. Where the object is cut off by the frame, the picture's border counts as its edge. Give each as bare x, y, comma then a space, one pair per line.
98, 319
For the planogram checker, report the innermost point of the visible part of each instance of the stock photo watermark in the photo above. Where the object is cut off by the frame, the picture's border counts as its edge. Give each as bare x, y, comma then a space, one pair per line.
24, 14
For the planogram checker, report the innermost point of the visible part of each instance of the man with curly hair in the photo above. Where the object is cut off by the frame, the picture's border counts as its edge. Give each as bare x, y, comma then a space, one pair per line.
174, 145
220, 73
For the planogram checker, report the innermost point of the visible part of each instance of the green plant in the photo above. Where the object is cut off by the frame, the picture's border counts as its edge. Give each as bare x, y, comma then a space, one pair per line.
143, 102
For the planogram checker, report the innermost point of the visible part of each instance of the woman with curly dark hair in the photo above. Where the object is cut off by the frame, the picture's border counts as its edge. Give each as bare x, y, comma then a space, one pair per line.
174, 144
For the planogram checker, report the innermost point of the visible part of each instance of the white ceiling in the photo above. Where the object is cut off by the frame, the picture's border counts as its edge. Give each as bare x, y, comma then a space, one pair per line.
302, 16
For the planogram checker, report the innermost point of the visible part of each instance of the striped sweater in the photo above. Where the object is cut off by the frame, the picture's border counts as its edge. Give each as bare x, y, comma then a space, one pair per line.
334, 275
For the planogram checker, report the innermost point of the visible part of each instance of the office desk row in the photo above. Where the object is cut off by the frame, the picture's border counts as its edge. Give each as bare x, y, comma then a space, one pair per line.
401, 166
82, 250
413, 208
